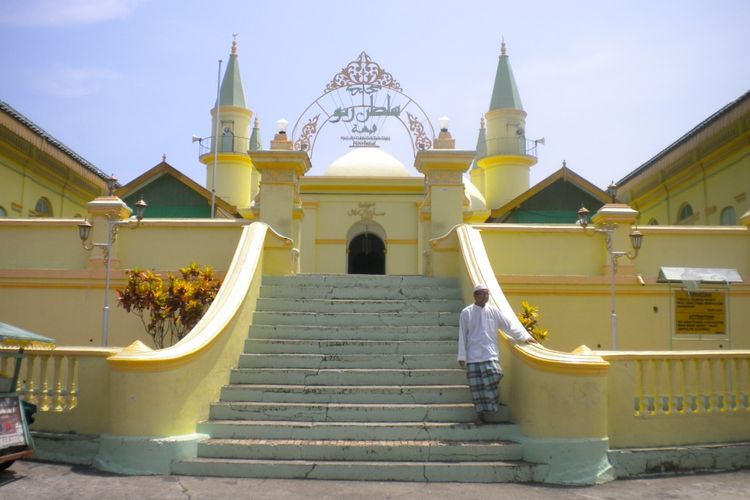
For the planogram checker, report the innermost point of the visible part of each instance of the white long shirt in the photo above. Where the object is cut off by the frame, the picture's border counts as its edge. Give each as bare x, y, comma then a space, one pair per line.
477, 333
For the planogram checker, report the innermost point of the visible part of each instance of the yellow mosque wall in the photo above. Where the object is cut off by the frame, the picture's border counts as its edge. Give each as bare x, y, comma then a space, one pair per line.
49, 284
566, 274
335, 210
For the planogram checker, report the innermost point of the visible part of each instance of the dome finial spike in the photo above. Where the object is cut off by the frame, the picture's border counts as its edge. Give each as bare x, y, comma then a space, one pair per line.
234, 44
481, 122
502, 47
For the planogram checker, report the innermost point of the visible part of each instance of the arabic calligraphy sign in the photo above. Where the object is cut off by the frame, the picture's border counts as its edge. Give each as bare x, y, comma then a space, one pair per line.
700, 313
365, 101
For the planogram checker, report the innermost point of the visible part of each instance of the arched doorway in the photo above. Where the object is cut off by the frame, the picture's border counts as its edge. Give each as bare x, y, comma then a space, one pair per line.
366, 254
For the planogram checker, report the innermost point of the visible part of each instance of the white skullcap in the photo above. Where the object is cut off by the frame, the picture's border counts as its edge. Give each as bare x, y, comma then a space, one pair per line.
479, 287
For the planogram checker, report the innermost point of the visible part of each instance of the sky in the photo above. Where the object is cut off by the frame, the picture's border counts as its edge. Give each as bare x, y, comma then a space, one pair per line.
607, 84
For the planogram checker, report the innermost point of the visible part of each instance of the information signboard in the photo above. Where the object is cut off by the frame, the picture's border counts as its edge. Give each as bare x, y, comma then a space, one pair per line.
700, 313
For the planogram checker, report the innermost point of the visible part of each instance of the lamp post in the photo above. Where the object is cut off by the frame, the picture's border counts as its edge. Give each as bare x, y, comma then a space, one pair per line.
113, 225
608, 228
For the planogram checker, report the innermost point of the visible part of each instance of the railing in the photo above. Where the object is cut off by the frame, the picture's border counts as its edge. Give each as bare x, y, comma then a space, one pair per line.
659, 398
513, 145
695, 386
50, 378
228, 143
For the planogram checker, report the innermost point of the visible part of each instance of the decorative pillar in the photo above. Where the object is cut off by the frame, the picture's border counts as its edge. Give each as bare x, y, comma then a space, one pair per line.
443, 205
279, 204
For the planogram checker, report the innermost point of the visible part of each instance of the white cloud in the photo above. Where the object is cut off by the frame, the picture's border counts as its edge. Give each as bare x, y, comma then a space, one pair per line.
64, 12
74, 82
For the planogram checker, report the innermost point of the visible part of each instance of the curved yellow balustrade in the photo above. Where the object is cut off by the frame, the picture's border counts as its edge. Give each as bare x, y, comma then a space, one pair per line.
167, 392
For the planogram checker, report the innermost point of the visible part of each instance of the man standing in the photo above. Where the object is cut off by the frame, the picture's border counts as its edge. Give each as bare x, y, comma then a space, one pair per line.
478, 349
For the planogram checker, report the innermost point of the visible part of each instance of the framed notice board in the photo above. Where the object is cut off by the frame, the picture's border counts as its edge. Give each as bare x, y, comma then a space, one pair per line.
702, 312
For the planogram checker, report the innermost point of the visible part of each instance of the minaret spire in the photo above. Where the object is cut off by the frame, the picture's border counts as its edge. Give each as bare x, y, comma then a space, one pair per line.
505, 92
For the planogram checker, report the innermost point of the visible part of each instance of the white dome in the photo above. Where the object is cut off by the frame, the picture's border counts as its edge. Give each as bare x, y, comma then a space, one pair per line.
476, 200
367, 162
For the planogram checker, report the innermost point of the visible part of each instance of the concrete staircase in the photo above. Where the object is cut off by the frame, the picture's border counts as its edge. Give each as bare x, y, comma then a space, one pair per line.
354, 377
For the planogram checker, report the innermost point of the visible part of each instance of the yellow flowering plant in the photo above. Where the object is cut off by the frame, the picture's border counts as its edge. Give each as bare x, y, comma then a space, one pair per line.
529, 317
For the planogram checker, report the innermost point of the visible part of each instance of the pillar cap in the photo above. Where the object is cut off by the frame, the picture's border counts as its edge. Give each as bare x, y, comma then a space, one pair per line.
615, 213
443, 159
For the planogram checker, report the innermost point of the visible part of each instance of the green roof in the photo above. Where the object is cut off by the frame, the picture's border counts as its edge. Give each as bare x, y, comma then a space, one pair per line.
505, 93
232, 93
255, 143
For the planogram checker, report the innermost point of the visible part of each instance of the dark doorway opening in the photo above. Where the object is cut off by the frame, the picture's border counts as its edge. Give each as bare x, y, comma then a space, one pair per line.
366, 255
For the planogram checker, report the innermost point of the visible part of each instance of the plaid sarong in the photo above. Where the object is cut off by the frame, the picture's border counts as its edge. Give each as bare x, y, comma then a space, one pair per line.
484, 378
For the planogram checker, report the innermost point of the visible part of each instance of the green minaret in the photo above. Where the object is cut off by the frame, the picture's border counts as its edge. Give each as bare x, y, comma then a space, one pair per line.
505, 163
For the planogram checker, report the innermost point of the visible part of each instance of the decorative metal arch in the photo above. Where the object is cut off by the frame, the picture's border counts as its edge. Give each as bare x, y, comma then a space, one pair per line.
362, 97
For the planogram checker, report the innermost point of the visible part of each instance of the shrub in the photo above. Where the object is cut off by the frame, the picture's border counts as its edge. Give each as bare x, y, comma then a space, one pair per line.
169, 309
529, 318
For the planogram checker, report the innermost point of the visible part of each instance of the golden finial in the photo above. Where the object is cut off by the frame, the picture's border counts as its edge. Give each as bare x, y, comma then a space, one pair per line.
234, 44
502, 47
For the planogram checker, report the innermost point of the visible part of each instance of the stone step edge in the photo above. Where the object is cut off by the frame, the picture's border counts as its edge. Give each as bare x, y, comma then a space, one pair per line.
420, 463
364, 406
316, 388
354, 442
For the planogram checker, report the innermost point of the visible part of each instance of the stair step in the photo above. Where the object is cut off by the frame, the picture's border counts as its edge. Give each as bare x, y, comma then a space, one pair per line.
359, 332
359, 306
477, 472
348, 319
349, 449
355, 377
287, 429
327, 347
331, 376
296, 360
306, 291
421, 394
361, 281
343, 412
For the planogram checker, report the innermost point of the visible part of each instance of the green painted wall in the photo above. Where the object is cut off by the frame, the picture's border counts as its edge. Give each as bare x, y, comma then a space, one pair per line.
169, 198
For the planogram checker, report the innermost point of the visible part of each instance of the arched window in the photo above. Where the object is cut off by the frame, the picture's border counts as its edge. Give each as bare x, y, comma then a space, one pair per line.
653, 222
728, 217
43, 208
685, 214
3, 212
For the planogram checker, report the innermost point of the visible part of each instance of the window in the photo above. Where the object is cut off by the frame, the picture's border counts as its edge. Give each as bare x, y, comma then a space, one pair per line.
43, 208
685, 214
653, 222
728, 217
3, 212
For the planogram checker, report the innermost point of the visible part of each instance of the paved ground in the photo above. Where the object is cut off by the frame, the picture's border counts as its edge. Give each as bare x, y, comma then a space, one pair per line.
36, 480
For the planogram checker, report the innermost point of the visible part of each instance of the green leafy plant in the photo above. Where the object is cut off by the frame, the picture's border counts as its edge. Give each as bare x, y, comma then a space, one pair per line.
529, 317
169, 308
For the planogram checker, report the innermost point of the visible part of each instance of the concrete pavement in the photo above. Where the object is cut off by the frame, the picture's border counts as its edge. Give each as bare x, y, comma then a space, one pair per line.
28, 480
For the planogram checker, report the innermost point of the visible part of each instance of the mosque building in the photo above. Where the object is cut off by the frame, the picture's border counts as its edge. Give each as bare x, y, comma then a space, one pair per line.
647, 364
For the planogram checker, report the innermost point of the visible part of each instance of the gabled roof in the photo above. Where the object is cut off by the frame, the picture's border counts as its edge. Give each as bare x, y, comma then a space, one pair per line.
564, 174
165, 168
